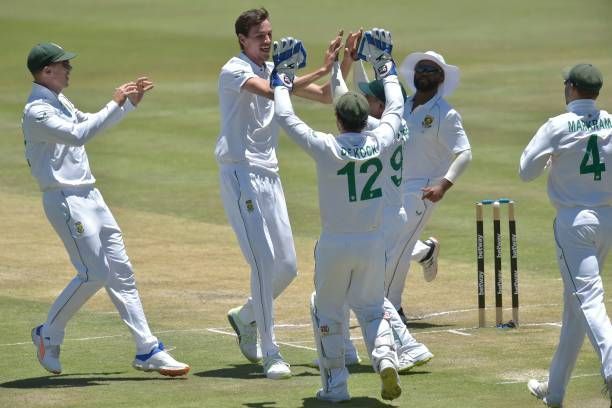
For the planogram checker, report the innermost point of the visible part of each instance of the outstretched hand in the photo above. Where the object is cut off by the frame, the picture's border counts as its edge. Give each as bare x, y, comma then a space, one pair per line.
331, 54
351, 44
143, 84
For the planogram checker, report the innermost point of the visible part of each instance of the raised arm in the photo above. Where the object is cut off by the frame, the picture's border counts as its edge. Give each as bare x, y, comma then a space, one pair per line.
304, 87
288, 56
375, 47
50, 127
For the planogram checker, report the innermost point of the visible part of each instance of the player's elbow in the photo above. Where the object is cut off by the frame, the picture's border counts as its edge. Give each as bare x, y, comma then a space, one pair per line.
525, 174
468, 155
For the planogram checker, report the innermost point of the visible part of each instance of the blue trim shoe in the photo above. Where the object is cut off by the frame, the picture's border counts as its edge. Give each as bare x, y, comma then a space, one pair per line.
162, 362
48, 355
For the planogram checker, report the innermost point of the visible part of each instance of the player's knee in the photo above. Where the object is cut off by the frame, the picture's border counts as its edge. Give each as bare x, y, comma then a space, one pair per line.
288, 266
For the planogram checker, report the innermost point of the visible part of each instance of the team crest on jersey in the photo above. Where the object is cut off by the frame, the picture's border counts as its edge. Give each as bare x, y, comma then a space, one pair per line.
79, 227
249, 205
324, 330
42, 116
386, 315
428, 121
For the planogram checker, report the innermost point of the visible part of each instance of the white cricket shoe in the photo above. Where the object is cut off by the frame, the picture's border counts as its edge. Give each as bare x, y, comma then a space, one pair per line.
430, 263
160, 361
335, 396
247, 335
390, 380
414, 357
540, 391
336, 389
48, 355
276, 368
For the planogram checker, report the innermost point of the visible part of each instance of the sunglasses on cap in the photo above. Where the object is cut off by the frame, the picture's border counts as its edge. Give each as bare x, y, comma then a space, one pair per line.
427, 69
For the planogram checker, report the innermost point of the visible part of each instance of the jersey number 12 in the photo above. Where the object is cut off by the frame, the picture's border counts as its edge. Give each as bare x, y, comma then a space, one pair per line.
368, 192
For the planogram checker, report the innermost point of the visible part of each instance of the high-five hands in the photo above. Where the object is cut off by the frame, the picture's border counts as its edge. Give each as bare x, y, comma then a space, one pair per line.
134, 90
375, 47
288, 55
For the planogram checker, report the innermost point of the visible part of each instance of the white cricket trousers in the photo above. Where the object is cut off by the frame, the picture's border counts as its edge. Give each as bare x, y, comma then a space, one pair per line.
395, 226
583, 237
349, 269
255, 206
95, 245
418, 212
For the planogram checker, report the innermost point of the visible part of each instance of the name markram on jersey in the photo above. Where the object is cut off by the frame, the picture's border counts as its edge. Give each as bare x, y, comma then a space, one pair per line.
589, 125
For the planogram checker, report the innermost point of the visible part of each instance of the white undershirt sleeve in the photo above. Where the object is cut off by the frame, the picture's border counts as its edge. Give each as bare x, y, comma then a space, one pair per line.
458, 166
359, 74
339, 87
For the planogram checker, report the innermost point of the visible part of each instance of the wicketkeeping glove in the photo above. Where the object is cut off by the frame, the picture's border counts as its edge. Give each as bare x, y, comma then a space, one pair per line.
288, 55
375, 47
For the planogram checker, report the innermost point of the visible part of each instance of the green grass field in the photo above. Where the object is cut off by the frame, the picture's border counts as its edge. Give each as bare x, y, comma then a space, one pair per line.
158, 174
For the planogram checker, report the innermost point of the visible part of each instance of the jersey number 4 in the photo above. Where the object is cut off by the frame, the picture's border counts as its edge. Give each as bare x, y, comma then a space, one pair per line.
592, 153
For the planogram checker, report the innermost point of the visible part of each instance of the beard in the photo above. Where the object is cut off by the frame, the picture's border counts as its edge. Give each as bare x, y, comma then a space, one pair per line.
425, 84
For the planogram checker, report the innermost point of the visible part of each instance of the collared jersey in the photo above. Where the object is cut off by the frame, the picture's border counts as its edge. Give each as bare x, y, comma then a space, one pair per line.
349, 166
578, 147
55, 133
436, 136
249, 131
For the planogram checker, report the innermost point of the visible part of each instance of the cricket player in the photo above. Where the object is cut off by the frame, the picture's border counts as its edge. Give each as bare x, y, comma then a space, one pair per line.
251, 189
410, 352
575, 147
350, 254
435, 155
55, 134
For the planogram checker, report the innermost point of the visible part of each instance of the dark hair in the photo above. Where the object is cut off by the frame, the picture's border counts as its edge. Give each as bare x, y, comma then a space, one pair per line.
587, 93
355, 125
248, 19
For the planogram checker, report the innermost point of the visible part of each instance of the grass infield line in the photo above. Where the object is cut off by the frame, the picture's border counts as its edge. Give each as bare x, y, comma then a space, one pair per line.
573, 376
225, 331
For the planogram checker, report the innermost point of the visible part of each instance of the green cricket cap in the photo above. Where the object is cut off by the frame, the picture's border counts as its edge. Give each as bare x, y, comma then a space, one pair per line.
353, 109
44, 54
584, 76
376, 88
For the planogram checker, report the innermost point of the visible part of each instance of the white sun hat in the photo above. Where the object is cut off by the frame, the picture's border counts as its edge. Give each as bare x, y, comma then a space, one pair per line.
451, 72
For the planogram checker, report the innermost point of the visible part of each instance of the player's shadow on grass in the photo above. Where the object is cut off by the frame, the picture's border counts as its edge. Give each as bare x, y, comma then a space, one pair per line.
365, 402
366, 368
422, 324
78, 380
250, 371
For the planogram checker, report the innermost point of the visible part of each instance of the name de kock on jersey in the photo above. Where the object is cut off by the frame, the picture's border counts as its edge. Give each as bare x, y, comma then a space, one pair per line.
360, 152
